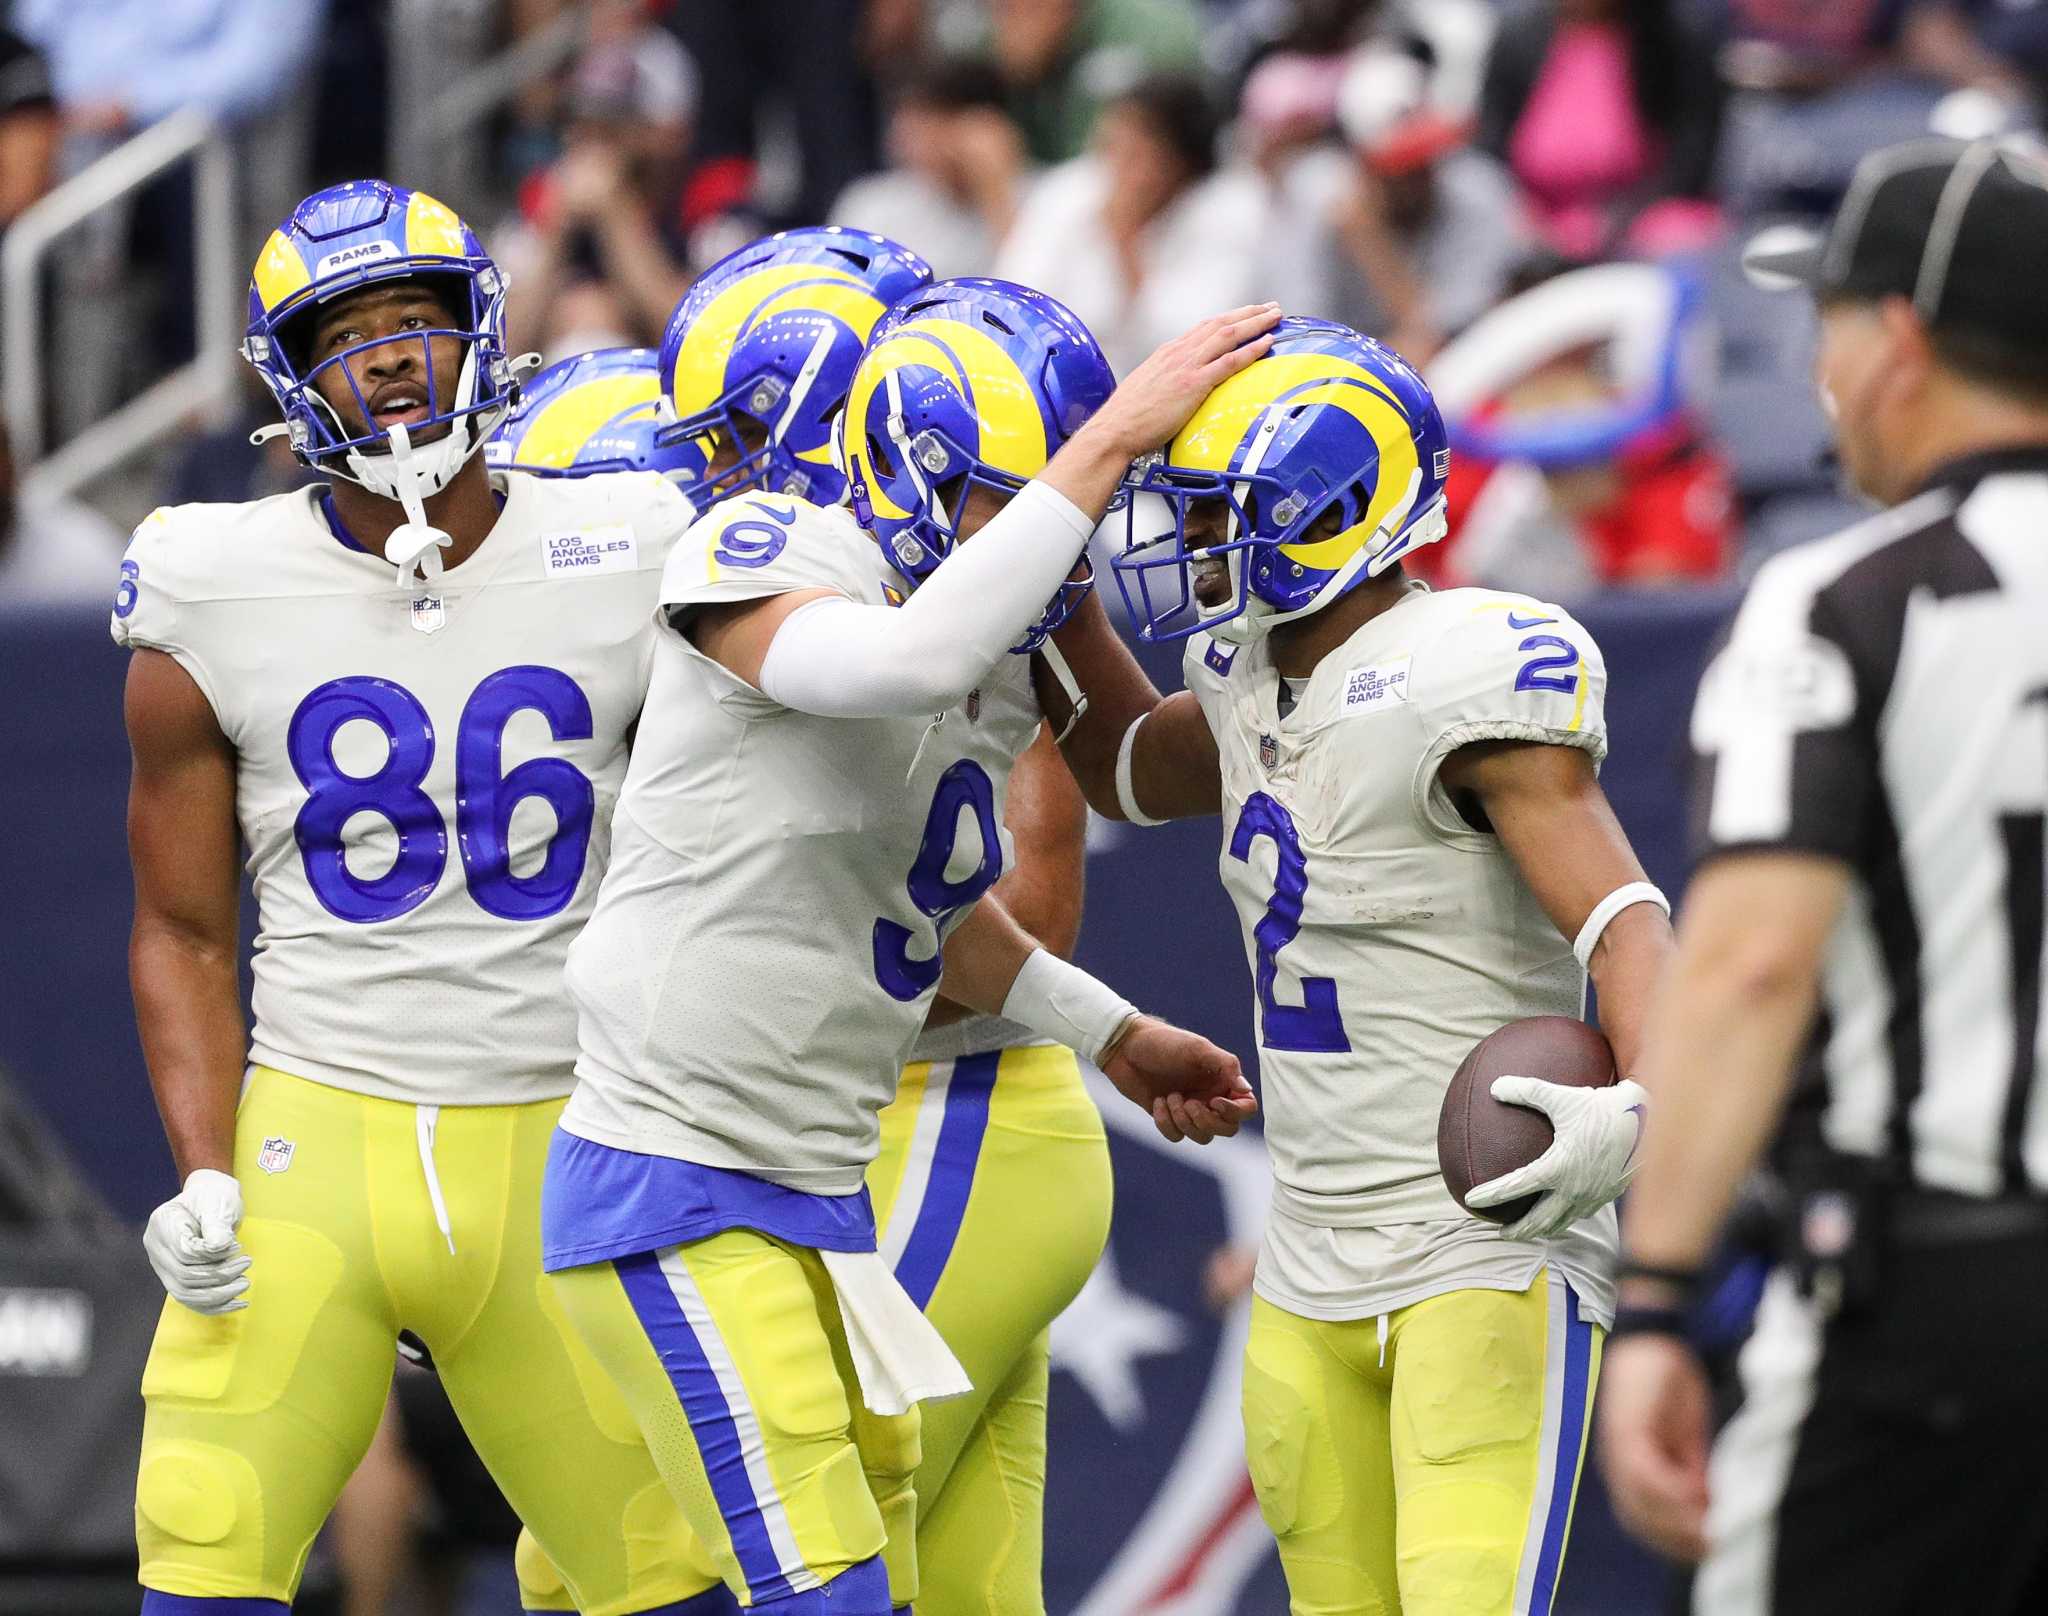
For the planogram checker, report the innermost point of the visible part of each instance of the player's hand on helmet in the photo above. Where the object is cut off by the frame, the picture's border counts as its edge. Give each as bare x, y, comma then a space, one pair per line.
190, 1241
1588, 1164
1193, 1089
1154, 402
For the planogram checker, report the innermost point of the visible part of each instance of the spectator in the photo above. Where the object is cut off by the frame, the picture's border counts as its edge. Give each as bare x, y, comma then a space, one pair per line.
28, 126
958, 169
790, 76
1579, 456
1063, 59
120, 65
591, 266
1426, 234
1607, 111
1145, 235
53, 552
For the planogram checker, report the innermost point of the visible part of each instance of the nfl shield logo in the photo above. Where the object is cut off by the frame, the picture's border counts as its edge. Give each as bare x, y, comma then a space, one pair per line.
1269, 751
276, 1154
428, 614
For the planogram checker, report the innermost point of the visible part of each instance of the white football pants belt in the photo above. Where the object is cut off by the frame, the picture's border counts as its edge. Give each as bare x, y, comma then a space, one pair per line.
900, 1358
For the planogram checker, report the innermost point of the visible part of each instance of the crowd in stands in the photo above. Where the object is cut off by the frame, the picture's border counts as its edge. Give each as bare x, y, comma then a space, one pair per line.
1422, 169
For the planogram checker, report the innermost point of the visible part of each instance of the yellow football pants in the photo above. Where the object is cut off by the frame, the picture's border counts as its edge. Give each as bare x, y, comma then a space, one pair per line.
993, 1195
1434, 1474
256, 1418
732, 1356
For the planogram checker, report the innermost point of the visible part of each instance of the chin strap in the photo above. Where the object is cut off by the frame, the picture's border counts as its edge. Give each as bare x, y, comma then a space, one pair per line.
415, 545
263, 434
1070, 687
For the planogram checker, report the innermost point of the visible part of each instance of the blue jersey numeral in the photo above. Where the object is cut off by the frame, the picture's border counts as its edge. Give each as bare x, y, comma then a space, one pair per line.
1536, 672
754, 544
484, 798
966, 784
129, 588
392, 792
1314, 1024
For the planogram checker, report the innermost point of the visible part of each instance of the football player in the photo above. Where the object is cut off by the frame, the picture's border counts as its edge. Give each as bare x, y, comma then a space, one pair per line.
810, 825
1419, 851
986, 1114
596, 412
408, 691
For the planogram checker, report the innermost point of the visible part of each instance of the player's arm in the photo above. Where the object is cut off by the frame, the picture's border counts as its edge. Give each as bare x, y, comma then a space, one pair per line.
182, 842
1137, 756
1545, 804
840, 658
1193, 1089
1042, 889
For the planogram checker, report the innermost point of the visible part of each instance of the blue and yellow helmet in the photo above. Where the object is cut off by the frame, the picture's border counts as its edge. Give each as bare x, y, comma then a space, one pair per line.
356, 235
1315, 467
971, 382
759, 353
596, 412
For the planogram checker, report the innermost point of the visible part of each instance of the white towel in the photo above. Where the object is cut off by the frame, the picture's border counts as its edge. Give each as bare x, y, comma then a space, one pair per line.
900, 1358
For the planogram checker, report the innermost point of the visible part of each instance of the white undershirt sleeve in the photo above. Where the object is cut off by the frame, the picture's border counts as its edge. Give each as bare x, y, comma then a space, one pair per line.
839, 658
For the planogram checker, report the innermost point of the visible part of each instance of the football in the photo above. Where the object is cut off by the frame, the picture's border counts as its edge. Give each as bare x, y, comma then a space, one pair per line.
1478, 1138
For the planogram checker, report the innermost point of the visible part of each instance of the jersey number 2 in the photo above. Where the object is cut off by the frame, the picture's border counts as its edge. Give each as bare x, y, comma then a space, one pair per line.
484, 795
1315, 1023
965, 785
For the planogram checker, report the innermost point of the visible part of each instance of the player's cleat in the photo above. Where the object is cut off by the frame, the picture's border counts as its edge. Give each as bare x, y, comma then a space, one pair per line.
597, 412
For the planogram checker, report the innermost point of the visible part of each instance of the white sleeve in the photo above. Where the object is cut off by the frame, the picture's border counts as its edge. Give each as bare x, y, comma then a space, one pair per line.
843, 659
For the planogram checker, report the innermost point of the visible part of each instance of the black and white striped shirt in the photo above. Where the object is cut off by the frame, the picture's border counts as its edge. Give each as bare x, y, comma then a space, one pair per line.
1883, 699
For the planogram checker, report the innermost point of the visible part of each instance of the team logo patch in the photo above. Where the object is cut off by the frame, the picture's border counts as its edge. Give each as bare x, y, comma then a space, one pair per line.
1269, 751
589, 551
429, 613
276, 1154
1380, 685
364, 252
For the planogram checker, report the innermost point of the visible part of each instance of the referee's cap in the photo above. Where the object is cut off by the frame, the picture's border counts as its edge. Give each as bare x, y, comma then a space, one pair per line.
1960, 227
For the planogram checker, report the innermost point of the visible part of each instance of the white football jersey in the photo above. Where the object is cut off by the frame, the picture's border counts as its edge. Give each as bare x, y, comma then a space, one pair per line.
424, 778
1386, 935
766, 944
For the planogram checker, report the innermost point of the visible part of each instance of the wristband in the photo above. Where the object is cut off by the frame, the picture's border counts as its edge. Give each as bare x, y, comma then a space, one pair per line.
1647, 1320
1622, 897
1126, 797
1064, 1003
1685, 1278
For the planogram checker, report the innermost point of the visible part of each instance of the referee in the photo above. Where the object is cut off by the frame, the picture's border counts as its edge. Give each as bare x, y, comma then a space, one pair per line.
1874, 769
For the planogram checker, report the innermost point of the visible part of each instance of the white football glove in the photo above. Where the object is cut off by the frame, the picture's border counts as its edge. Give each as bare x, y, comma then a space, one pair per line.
191, 1244
1587, 1165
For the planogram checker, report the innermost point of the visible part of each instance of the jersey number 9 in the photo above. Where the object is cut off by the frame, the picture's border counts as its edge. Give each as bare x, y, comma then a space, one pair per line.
965, 785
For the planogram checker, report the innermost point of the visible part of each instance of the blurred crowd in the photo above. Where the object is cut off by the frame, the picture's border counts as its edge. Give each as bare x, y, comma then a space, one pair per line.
1541, 202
